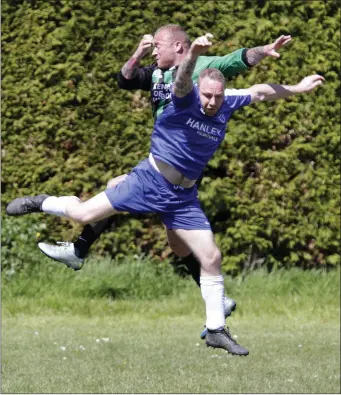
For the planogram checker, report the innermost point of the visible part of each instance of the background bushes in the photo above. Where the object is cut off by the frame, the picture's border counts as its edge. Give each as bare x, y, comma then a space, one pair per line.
272, 190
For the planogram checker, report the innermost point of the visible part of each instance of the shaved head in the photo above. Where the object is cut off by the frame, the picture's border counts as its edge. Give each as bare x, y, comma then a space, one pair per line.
175, 33
212, 74
171, 44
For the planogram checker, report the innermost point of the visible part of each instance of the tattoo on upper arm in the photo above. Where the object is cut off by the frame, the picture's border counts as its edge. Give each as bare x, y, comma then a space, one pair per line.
183, 83
255, 55
129, 69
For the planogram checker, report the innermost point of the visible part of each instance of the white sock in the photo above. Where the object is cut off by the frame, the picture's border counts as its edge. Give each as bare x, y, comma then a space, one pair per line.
55, 205
212, 291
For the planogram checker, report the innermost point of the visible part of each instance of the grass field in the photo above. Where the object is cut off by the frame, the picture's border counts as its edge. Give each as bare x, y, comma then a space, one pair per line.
57, 339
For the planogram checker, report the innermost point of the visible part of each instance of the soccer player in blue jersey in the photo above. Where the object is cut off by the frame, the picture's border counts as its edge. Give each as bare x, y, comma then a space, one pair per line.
185, 137
170, 45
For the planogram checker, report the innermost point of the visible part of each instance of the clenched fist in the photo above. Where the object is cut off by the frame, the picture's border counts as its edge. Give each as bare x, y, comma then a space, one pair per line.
144, 46
201, 44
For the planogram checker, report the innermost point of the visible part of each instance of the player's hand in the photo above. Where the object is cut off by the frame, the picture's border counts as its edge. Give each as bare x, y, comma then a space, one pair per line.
309, 83
144, 46
271, 49
201, 44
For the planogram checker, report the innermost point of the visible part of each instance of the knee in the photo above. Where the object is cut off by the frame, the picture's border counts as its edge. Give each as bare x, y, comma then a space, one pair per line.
76, 211
84, 218
114, 181
212, 261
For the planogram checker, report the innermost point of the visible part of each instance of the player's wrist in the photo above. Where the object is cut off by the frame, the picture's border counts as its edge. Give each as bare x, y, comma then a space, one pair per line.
298, 88
266, 50
192, 54
137, 56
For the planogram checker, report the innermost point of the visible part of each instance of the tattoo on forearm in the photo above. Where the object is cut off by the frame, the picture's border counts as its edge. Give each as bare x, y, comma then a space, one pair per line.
255, 55
183, 83
129, 69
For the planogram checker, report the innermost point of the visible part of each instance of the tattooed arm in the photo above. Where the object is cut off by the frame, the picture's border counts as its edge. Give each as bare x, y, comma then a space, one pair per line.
257, 54
129, 69
183, 82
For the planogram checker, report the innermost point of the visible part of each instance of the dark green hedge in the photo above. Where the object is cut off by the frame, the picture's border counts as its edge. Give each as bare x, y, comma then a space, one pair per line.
272, 190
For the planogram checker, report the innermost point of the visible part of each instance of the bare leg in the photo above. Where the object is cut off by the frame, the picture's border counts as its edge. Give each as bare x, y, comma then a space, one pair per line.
202, 244
181, 250
93, 210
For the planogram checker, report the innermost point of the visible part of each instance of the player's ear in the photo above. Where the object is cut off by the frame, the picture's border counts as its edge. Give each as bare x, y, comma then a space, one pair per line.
178, 47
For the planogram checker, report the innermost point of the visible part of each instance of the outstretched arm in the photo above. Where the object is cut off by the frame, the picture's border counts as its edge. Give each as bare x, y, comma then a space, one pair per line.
183, 82
257, 54
264, 92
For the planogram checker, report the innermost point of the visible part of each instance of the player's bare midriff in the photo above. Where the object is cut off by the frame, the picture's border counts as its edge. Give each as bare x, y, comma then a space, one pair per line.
170, 173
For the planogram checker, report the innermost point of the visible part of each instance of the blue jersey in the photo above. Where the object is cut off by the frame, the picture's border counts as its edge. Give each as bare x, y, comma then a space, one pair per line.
186, 138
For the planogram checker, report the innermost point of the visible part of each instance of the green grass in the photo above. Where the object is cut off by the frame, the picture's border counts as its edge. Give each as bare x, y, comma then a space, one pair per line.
289, 321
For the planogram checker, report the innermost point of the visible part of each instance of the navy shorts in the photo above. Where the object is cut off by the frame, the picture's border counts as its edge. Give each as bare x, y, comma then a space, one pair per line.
146, 191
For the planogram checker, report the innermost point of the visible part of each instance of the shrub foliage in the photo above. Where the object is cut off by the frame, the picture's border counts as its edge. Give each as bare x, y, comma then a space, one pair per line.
272, 190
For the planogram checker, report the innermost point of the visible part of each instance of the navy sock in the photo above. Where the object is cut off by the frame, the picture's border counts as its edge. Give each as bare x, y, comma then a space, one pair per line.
90, 234
193, 267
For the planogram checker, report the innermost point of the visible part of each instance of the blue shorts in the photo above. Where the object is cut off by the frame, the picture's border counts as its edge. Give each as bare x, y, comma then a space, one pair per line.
146, 191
